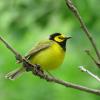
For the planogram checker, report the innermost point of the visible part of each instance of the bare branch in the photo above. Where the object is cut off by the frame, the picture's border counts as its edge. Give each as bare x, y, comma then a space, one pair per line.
17, 55
68, 84
74, 10
47, 77
83, 69
89, 54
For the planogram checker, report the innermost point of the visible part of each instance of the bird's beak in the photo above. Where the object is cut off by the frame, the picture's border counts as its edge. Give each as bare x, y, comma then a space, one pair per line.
68, 37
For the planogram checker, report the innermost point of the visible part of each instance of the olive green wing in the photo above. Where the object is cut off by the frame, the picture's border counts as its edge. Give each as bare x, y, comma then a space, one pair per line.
39, 47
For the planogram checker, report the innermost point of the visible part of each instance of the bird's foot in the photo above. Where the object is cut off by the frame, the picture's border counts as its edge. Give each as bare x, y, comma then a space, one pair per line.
28, 66
37, 70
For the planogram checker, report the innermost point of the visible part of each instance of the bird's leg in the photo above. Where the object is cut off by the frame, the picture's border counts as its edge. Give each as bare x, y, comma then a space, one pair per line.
27, 66
36, 69
39, 72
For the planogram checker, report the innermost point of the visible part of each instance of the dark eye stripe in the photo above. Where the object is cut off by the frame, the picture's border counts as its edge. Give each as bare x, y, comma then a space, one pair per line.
61, 38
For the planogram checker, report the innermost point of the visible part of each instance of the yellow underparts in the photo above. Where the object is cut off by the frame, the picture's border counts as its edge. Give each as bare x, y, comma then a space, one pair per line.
49, 58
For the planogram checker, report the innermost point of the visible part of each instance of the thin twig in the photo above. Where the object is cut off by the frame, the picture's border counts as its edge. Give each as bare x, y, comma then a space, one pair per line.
47, 77
17, 55
89, 54
74, 10
83, 69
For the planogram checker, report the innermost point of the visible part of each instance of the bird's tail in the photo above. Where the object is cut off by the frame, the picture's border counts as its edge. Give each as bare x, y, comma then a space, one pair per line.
15, 73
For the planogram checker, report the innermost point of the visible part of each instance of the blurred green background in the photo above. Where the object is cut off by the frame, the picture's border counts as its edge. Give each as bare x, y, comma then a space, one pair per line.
23, 23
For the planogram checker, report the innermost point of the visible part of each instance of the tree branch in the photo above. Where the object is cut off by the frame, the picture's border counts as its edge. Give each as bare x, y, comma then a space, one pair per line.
83, 69
89, 54
74, 10
47, 77
17, 55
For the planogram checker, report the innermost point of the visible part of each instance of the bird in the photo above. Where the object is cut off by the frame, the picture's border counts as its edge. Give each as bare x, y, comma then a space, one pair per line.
49, 54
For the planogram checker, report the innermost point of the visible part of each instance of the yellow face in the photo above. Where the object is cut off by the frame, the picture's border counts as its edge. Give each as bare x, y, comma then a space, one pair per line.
59, 38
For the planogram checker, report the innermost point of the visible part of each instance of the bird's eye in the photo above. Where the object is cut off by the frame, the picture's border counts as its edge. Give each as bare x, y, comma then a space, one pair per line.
59, 38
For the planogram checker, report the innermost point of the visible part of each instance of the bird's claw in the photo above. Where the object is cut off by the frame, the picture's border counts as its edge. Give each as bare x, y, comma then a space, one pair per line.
38, 70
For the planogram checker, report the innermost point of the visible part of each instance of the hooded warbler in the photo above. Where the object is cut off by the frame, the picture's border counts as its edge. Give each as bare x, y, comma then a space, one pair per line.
49, 54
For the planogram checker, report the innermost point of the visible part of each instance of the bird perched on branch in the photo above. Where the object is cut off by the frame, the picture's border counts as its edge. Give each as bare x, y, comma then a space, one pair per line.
49, 54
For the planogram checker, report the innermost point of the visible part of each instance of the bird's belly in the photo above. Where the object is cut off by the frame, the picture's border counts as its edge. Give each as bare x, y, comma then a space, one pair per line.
50, 58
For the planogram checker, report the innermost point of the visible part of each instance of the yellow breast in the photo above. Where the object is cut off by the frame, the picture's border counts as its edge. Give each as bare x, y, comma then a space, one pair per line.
49, 58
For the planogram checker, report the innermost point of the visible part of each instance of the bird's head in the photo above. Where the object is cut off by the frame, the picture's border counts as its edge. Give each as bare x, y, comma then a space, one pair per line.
60, 39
